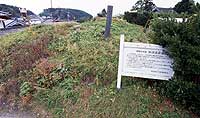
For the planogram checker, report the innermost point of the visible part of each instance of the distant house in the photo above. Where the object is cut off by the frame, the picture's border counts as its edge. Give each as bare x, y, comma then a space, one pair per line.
34, 19
4, 16
163, 10
6, 21
156, 9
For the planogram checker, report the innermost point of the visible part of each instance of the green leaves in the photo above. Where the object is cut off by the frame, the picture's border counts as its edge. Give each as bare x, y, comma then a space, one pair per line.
25, 89
182, 92
182, 41
185, 6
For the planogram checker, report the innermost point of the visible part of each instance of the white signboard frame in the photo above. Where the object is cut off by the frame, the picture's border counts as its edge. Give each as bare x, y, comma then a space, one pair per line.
143, 60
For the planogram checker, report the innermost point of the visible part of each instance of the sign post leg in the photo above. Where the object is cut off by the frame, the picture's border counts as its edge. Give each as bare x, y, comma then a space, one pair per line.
119, 79
120, 62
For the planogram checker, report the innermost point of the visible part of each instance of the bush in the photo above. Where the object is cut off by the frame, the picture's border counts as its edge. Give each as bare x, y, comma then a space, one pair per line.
183, 42
185, 93
137, 18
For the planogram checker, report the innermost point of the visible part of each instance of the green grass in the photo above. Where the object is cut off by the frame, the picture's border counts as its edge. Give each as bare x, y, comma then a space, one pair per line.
85, 86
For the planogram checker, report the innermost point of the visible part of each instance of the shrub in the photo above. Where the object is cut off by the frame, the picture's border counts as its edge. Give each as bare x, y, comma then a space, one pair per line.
137, 18
185, 93
183, 42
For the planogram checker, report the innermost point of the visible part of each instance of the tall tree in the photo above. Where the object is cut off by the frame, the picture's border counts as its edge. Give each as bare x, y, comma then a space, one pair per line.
197, 7
185, 6
144, 5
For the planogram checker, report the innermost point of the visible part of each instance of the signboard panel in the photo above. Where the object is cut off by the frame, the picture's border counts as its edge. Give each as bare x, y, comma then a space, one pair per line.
143, 60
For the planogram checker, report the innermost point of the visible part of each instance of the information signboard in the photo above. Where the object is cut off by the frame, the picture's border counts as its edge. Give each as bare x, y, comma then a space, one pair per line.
143, 60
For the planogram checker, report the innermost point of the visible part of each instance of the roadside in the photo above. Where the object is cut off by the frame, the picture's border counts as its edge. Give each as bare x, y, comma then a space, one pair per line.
8, 31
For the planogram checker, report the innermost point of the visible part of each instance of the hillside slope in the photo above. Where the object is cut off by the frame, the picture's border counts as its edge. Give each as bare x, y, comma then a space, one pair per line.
69, 70
66, 14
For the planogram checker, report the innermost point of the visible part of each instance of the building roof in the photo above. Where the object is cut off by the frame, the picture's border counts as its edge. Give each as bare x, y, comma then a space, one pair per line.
165, 10
4, 15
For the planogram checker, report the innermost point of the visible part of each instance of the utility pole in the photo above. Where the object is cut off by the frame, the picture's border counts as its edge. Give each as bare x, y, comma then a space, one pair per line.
51, 4
51, 9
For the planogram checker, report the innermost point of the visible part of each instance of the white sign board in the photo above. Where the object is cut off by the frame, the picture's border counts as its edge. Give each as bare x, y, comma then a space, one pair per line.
143, 60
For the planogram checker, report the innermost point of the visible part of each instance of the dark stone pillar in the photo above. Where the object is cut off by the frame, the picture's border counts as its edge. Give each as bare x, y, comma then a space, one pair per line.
108, 21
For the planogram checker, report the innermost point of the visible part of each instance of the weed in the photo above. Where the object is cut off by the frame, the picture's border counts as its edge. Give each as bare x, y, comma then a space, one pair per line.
25, 89
23, 57
44, 67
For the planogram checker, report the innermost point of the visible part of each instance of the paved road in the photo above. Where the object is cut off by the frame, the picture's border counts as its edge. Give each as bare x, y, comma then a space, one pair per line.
8, 31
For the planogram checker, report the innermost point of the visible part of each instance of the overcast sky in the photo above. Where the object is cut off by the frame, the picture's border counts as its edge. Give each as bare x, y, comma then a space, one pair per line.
90, 6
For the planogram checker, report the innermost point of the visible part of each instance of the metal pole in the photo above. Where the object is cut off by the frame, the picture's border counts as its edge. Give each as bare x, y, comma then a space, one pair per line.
51, 9
108, 21
51, 4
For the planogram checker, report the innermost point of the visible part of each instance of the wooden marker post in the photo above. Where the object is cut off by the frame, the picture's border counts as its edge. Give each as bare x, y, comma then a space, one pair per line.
108, 21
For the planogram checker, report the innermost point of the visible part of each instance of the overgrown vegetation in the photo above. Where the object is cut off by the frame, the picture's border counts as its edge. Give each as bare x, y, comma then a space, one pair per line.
20, 53
187, 6
78, 76
144, 10
182, 41
141, 13
139, 18
183, 93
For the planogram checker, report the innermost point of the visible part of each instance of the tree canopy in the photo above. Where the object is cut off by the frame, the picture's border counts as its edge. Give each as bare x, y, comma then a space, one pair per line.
185, 6
66, 14
144, 5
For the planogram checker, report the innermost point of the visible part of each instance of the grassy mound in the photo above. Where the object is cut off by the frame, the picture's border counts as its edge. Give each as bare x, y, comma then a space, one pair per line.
70, 70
